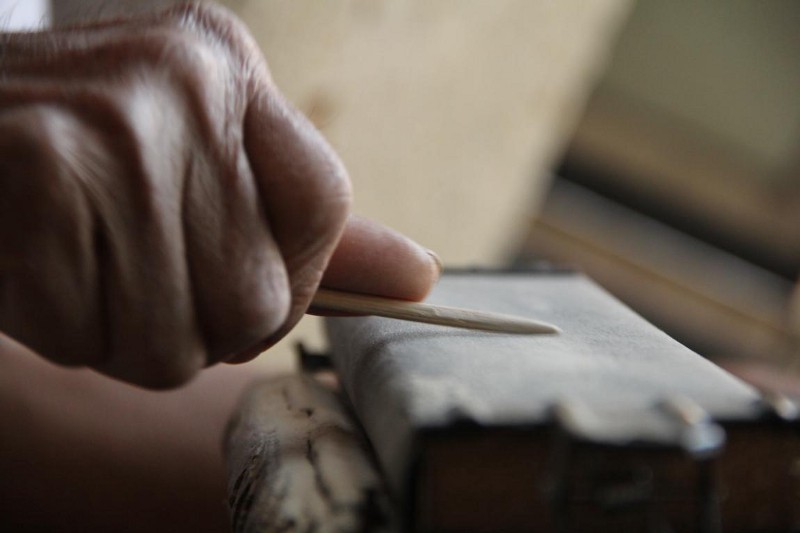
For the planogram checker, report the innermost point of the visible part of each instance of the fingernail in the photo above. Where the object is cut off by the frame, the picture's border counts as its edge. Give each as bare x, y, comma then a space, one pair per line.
437, 260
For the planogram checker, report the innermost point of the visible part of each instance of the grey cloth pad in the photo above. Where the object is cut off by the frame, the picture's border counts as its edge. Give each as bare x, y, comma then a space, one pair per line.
404, 377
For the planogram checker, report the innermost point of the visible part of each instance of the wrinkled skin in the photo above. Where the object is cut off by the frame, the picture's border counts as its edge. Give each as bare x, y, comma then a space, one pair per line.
162, 207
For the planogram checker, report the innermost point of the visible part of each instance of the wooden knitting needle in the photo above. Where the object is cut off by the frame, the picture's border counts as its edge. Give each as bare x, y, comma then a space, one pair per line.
332, 300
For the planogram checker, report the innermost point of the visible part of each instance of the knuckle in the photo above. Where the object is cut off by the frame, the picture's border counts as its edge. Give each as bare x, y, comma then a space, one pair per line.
37, 158
201, 13
209, 19
191, 83
183, 55
218, 27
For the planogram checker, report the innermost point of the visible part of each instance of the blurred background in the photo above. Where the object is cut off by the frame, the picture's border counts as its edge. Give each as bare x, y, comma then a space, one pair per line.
679, 189
654, 145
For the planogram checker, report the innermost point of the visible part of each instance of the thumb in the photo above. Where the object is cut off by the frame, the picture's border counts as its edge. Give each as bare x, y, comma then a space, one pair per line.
373, 259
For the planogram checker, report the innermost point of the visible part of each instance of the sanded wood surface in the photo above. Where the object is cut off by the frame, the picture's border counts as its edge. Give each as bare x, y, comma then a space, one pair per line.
298, 463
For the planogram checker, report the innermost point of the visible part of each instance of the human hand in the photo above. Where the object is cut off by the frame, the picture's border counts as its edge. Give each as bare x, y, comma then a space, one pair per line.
162, 207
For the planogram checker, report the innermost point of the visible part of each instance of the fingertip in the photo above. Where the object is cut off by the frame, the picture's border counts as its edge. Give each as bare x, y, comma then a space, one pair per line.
374, 259
438, 263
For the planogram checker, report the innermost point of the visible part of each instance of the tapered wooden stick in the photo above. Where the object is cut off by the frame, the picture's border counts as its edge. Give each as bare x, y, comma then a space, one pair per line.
332, 300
